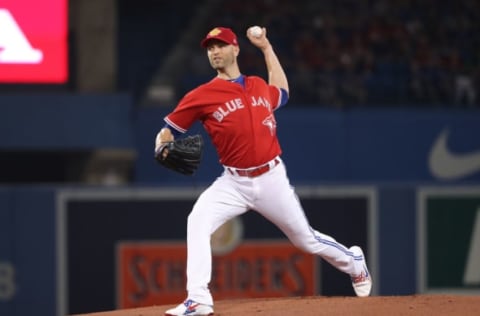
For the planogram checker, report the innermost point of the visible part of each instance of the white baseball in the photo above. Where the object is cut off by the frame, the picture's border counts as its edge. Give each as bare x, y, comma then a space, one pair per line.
256, 31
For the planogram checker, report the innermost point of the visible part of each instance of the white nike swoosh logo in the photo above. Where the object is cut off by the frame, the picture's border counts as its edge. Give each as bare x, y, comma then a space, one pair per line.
447, 165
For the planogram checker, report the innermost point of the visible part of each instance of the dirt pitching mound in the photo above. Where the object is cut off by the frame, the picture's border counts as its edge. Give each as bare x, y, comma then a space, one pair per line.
437, 305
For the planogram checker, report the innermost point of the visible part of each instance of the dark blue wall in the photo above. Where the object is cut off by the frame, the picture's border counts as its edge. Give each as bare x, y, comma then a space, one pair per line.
319, 144
66, 121
386, 145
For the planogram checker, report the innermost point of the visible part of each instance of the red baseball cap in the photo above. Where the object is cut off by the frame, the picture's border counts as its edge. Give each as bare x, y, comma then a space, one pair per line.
223, 34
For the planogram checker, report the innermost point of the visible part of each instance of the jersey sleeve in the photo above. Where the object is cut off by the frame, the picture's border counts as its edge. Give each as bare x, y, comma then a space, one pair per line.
275, 96
186, 113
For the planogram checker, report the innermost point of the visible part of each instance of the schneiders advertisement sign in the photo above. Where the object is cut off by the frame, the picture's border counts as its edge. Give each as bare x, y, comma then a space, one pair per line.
154, 273
33, 41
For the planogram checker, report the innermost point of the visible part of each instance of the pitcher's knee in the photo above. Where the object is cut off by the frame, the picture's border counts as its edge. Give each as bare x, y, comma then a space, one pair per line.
306, 246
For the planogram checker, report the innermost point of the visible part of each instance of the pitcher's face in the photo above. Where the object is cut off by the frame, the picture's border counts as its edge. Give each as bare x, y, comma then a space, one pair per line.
222, 55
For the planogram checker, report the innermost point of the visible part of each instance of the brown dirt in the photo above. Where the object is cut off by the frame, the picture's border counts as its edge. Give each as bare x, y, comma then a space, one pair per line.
438, 305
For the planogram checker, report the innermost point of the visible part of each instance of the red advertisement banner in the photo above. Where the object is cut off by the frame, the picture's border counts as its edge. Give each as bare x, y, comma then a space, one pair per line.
33, 41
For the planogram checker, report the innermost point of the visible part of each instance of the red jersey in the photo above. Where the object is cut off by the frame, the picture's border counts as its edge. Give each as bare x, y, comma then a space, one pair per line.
239, 120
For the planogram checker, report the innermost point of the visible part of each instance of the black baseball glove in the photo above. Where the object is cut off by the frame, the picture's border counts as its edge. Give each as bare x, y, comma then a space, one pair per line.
183, 155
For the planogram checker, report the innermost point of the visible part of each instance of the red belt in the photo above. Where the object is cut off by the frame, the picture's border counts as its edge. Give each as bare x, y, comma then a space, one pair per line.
254, 172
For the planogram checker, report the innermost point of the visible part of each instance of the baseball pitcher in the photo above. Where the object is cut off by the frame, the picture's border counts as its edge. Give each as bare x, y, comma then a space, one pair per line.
237, 111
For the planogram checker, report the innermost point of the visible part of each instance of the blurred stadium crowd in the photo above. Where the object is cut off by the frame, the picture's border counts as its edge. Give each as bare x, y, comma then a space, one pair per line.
353, 53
